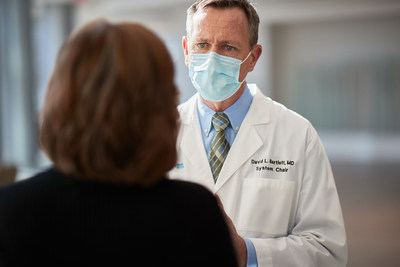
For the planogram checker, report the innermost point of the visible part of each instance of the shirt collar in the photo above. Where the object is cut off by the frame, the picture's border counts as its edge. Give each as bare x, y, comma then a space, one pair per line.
236, 112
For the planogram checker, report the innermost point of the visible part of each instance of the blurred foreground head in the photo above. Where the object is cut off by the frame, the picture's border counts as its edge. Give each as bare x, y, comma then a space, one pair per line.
110, 110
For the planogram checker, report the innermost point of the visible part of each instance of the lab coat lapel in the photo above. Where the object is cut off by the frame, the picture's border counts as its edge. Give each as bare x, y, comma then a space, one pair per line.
248, 140
192, 146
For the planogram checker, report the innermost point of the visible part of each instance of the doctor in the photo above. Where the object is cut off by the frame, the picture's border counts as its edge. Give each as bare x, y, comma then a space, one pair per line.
265, 162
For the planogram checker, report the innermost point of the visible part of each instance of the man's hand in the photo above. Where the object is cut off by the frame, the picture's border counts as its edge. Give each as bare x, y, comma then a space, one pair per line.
238, 243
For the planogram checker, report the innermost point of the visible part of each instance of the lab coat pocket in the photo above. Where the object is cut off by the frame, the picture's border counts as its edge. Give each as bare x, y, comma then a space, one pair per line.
265, 207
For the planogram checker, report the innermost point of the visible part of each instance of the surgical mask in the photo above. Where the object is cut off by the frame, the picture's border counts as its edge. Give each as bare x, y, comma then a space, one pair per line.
214, 76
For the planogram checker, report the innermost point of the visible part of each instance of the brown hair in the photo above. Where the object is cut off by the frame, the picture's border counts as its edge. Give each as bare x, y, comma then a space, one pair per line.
246, 6
110, 111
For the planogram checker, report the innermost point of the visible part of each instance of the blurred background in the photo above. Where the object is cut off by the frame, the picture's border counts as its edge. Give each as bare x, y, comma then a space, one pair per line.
335, 62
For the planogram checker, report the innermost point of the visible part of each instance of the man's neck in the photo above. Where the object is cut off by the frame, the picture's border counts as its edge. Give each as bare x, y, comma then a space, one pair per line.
223, 105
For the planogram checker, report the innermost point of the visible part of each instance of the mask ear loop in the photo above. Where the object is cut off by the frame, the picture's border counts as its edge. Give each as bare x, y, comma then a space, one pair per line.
245, 58
241, 82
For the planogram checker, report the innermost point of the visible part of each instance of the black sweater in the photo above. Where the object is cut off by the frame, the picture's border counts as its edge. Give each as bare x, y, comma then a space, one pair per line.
55, 220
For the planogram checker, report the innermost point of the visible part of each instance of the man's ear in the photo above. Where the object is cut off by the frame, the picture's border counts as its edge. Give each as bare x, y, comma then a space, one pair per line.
255, 55
185, 50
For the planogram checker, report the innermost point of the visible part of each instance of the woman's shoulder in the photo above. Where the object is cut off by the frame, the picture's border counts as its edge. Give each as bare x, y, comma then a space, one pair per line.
186, 187
42, 179
189, 191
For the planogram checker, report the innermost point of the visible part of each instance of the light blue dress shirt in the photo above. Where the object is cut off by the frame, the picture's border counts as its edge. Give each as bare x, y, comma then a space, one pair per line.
236, 113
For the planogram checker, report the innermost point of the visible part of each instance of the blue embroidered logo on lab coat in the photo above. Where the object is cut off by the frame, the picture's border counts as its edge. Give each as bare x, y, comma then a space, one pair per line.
179, 166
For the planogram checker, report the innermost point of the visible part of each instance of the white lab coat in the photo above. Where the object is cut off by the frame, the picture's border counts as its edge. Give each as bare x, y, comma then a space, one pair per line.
276, 184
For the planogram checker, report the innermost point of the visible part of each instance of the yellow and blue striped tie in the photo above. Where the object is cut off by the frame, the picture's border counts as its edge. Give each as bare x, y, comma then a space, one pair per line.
219, 146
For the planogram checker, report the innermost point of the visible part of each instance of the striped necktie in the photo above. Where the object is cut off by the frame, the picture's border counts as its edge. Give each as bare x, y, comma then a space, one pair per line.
219, 146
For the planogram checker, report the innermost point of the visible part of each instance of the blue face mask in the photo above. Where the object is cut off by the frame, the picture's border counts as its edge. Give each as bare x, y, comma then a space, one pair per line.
215, 77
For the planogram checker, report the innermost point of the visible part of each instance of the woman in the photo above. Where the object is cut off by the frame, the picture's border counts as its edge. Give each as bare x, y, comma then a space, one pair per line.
109, 124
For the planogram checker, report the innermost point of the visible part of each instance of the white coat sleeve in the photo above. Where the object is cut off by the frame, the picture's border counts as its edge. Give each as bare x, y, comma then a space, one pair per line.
318, 236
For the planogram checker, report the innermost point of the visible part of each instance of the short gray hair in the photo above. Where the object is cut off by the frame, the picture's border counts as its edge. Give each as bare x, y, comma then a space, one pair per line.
251, 14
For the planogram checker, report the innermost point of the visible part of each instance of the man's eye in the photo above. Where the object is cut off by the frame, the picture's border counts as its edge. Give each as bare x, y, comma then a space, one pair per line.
229, 48
201, 45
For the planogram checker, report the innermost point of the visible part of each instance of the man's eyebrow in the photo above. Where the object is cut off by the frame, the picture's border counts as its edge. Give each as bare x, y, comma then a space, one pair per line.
224, 42
232, 43
198, 40
201, 40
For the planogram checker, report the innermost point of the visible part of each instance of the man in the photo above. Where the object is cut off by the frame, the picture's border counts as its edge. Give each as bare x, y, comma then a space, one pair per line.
267, 164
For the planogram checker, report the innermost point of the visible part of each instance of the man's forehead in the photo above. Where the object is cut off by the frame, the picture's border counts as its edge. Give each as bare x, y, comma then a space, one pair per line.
234, 17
